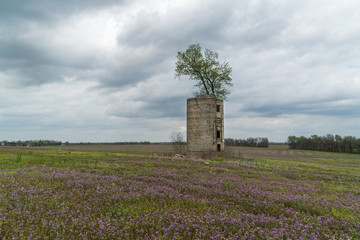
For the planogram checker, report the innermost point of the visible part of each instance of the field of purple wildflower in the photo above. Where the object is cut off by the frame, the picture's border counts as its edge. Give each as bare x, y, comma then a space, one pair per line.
63, 194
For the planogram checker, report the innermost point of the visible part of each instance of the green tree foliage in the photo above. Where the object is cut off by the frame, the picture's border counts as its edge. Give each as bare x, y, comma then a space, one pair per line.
328, 143
211, 76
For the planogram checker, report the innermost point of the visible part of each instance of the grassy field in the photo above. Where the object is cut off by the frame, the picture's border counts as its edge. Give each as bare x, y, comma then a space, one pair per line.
140, 192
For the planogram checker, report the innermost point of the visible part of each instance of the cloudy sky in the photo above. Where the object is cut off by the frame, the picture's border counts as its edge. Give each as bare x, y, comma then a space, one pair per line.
103, 71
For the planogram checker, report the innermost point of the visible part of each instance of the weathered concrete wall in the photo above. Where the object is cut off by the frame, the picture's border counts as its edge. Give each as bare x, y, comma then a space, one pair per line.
205, 126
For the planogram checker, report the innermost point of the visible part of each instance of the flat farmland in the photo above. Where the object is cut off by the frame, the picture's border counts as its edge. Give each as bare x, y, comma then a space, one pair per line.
140, 192
139, 149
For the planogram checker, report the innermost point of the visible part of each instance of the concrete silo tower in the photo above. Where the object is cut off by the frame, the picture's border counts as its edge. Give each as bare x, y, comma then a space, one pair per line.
205, 126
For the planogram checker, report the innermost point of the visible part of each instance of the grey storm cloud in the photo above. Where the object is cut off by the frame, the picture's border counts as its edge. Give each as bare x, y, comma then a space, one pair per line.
178, 26
96, 67
31, 59
50, 10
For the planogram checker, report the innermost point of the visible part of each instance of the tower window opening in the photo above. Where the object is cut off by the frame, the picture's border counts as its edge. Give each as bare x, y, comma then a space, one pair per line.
219, 147
218, 122
218, 108
218, 134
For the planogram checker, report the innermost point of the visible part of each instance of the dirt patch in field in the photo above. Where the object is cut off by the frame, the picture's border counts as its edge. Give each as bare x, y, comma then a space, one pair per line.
282, 153
273, 152
161, 149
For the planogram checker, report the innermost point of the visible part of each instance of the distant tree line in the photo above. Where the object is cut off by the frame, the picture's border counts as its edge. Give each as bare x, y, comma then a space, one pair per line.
112, 143
31, 143
328, 143
39, 143
249, 142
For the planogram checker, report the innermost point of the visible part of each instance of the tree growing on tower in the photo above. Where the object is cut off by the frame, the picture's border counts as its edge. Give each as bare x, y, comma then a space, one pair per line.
211, 76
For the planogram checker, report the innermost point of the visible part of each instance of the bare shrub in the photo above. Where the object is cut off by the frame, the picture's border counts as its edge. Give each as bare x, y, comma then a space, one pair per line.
177, 140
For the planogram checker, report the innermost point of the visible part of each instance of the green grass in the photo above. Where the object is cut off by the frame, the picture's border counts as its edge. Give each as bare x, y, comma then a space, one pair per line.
128, 194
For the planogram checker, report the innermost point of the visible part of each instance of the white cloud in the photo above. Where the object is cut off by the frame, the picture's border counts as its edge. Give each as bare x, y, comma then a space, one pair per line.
91, 71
